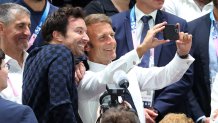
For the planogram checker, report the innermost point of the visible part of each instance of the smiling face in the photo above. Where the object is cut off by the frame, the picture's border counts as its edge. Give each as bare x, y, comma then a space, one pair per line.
102, 46
76, 37
15, 35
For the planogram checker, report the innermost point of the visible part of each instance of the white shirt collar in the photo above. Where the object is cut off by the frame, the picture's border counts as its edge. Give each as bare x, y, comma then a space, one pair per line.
14, 66
139, 14
95, 67
192, 1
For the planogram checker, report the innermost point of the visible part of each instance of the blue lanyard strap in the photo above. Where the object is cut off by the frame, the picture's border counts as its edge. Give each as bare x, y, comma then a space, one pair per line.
133, 19
39, 26
42, 20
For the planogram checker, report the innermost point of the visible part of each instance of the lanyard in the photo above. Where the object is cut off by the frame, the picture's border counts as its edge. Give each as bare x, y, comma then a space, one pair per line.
133, 27
39, 26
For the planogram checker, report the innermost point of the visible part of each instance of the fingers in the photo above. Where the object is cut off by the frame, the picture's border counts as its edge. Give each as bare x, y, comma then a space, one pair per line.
79, 72
178, 26
150, 41
158, 28
76, 79
126, 104
151, 113
148, 118
159, 25
185, 37
215, 114
184, 43
157, 42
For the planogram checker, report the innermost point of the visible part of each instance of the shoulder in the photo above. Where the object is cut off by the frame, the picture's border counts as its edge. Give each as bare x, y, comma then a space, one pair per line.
11, 107
53, 8
56, 50
172, 18
93, 3
95, 6
119, 17
57, 53
195, 23
48, 53
11, 112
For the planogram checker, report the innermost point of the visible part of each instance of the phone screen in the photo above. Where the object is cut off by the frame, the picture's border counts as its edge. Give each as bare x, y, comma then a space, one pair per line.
171, 32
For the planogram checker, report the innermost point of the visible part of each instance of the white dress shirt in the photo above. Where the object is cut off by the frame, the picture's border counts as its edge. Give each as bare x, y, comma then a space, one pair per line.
94, 82
13, 92
214, 99
186, 9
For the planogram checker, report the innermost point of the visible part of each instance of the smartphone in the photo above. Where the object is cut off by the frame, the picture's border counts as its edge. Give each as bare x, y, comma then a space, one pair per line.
171, 32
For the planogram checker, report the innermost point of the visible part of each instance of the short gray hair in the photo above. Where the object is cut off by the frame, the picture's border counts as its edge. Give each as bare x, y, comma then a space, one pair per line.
8, 10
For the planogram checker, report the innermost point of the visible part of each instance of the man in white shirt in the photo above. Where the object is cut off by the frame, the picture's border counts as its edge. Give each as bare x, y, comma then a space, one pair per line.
188, 9
101, 50
14, 36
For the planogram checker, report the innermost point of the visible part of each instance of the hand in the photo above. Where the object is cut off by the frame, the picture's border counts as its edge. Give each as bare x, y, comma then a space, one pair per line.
150, 115
126, 105
207, 120
184, 43
79, 72
214, 115
150, 41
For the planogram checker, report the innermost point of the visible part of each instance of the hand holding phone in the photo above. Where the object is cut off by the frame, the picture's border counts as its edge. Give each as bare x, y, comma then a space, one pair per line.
171, 32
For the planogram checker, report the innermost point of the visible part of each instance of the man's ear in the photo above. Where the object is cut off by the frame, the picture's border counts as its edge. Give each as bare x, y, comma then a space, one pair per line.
1, 27
57, 36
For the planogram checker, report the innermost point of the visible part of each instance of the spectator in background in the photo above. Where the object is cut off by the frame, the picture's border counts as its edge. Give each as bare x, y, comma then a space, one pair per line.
176, 118
205, 51
108, 7
11, 112
14, 35
128, 27
39, 10
188, 9
49, 86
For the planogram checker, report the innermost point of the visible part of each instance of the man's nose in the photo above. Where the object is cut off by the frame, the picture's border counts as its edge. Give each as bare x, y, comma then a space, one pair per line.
86, 38
27, 31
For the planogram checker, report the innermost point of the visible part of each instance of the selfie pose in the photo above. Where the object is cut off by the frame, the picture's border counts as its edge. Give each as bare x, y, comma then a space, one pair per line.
130, 26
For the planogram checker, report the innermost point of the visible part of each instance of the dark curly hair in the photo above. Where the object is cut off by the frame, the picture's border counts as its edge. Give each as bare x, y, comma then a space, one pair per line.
58, 21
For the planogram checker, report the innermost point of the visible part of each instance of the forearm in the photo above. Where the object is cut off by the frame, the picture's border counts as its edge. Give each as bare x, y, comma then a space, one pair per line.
159, 77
